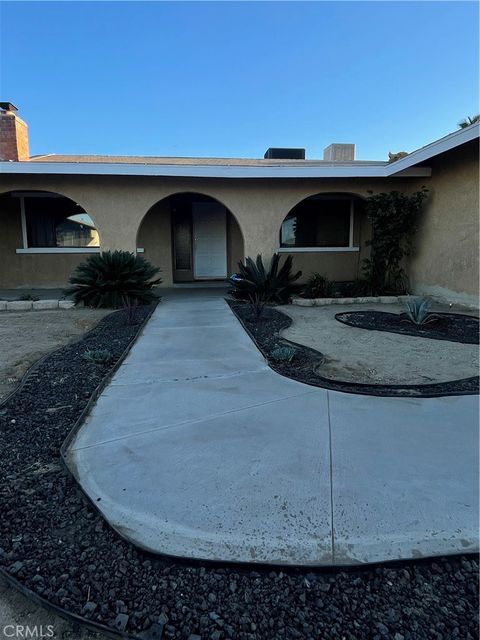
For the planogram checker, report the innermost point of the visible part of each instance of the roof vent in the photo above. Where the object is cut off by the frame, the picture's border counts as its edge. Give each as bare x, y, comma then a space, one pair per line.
337, 152
280, 153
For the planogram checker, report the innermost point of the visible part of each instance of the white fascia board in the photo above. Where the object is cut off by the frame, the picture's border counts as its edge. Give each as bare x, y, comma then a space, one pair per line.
455, 139
193, 171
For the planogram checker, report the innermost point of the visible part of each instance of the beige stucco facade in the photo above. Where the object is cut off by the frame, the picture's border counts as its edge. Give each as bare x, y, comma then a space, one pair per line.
445, 262
128, 213
119, 207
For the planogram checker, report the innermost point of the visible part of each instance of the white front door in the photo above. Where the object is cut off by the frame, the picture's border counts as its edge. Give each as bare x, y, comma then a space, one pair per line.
209, 240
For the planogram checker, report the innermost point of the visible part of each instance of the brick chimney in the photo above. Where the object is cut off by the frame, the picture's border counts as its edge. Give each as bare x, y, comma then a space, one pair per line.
13, 134
339, 152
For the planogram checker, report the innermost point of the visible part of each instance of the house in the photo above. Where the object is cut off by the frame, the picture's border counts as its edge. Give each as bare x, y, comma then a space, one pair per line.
196, 218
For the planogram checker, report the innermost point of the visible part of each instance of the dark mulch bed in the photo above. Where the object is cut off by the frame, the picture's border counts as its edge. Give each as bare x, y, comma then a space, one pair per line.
455, 327
304, 367
56, 544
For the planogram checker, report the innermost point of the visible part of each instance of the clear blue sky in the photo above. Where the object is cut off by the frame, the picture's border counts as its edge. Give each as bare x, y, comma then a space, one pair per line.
233, 78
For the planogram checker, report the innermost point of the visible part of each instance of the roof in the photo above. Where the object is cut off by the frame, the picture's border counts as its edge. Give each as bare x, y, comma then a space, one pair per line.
239, 167
166, 160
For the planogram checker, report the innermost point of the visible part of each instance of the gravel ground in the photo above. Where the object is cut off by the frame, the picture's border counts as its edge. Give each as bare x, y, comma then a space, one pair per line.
454, 327
56, 543
26, 336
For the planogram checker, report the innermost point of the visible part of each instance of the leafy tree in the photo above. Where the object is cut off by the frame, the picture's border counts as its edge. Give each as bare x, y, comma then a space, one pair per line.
466, 122
113, 279
394, 218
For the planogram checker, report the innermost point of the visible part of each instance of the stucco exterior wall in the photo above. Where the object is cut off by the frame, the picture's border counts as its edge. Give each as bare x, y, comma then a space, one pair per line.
445, 262
29, 270
118, 205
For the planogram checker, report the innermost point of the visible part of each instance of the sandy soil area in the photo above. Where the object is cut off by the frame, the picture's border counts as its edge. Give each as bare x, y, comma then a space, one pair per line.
16, 609
360, 355
26, 336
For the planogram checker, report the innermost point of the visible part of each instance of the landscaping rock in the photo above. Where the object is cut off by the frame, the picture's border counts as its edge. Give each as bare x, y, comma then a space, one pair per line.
19, 305
44, 304
121, 621
89, 608
388, 299
66, 304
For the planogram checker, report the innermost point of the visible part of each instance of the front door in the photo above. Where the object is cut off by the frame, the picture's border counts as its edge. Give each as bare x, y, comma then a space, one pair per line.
209, 240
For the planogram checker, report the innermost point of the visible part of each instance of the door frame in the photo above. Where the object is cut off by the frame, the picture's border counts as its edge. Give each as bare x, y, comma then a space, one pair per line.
189, 275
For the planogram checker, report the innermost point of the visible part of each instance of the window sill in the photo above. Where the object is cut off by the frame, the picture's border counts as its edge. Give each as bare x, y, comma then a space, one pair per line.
59, 250
316, 249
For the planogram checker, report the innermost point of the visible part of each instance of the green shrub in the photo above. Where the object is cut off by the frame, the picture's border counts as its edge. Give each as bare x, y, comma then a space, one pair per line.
283, 353
275, 284
27, 297
98, 356
318, 286
394, 217
112, 280
417, 311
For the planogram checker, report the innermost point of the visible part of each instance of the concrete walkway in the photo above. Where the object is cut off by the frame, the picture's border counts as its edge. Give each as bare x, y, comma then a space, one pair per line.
198, 449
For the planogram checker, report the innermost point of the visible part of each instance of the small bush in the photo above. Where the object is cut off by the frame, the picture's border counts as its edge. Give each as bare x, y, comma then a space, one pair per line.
275, 284
283, 353
257, 306
417, 311
318, 286
26, 297
112, 280
98, 356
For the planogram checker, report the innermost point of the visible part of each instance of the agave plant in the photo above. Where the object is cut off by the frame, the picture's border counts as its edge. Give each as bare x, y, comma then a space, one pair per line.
98, 356
275, 284
113, 279
417, 311
283, 353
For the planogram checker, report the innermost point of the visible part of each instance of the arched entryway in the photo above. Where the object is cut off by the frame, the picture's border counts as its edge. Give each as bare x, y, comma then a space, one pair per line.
192, 237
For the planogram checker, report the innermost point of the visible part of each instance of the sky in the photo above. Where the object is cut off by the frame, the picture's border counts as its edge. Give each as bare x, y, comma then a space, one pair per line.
230, 79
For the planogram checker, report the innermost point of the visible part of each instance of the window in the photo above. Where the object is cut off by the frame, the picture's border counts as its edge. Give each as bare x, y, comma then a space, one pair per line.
319, 222
53, 223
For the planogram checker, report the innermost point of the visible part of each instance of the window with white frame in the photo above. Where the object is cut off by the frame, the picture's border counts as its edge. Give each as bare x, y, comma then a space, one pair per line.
54, 222
320, 222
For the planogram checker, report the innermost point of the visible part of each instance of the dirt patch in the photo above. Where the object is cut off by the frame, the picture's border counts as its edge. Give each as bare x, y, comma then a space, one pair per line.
17, 609
365, 356
26, 336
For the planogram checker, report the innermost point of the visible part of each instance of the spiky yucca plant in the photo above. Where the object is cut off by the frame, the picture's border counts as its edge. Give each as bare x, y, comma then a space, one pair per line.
113, 279
275, 284
417, 311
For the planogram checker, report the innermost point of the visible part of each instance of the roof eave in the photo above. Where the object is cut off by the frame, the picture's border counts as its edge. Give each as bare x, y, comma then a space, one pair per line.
452, 140
199, 171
